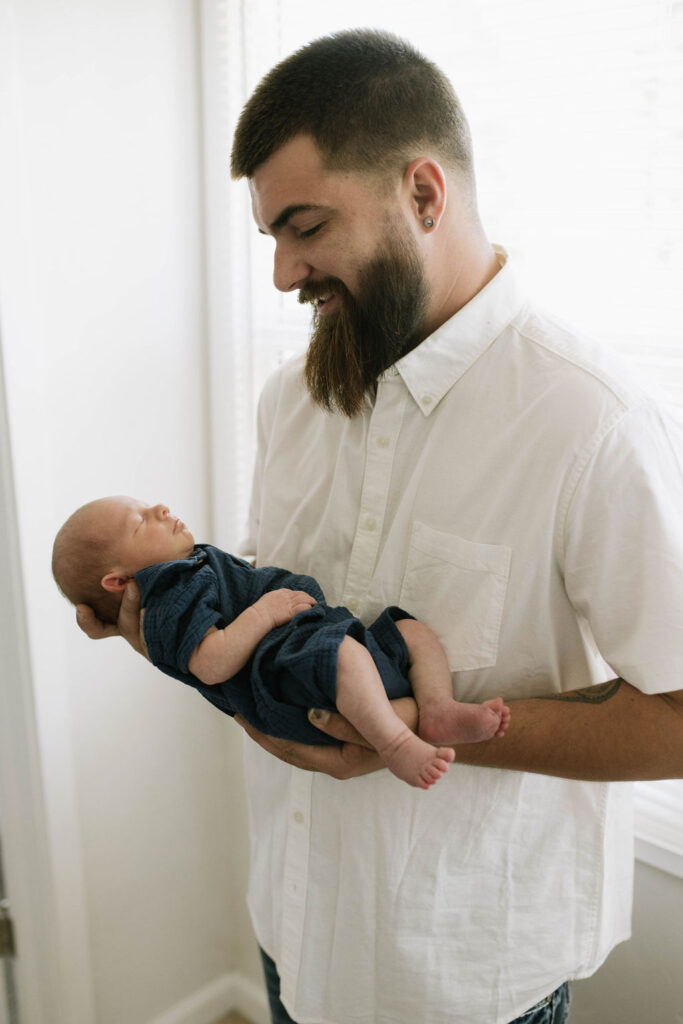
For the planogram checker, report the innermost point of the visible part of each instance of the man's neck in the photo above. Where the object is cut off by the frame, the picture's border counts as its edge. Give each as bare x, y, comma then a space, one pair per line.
462, 275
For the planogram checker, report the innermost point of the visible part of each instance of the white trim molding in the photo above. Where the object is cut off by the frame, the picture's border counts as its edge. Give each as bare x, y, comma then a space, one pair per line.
658, 857
659, 824
230, 991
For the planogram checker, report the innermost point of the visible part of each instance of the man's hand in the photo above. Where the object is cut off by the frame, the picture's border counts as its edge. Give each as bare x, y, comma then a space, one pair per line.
128, 625
280, 606
345, 762
355, 757
92, 626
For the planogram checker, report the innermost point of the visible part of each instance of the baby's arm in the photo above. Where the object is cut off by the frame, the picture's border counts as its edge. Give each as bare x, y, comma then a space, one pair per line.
223, 652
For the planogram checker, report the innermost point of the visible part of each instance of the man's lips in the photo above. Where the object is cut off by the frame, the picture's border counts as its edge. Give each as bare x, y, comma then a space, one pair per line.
322, 295
326, 303
315, 298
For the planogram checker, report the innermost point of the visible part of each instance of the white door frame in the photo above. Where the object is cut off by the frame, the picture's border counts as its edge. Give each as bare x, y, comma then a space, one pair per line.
41, 843
26, 867
41, 835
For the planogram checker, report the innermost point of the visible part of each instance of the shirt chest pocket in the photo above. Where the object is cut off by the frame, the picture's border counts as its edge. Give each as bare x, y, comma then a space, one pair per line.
457, 588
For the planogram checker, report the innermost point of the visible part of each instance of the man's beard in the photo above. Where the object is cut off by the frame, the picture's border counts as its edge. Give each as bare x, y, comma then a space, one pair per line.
354, 344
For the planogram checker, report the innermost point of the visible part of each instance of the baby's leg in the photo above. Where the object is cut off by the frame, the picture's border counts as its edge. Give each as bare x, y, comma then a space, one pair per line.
443, 719
362, 699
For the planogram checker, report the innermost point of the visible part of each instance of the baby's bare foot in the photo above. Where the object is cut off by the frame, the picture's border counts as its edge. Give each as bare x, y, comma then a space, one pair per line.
416, 762
449, 721
504, 718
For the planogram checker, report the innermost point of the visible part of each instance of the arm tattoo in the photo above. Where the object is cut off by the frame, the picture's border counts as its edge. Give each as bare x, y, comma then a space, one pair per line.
591, 695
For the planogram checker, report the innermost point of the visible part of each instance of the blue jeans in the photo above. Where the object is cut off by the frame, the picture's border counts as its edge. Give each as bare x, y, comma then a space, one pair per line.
554, 1009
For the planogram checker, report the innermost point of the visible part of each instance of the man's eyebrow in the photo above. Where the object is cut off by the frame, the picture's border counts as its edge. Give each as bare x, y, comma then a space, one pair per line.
288, 213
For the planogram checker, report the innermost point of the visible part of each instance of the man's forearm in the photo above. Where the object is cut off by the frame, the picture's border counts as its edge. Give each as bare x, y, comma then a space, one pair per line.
610, 732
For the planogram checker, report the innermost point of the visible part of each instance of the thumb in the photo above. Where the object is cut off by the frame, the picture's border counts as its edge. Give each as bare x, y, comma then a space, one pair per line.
131, 597
336, 725
130, 619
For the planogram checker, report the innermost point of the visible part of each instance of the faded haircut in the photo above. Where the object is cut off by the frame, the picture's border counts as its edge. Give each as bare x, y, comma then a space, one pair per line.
81, 556
370, 101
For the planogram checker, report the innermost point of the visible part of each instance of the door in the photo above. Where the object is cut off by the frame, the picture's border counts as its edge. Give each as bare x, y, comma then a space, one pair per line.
9, 1009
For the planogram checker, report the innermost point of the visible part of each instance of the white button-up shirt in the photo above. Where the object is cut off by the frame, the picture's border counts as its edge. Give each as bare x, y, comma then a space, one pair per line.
512, 487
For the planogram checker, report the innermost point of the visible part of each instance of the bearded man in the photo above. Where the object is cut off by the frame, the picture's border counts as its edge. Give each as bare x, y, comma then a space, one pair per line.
446, 447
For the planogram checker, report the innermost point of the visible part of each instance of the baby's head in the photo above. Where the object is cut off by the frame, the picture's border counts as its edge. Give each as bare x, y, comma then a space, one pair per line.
106, 542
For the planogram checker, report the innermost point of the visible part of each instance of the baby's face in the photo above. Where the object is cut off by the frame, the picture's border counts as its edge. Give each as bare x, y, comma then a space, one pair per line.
144, 534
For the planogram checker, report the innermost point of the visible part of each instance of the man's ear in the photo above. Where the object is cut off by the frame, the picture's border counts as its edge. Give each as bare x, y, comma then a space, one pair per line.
114, 582
425, 182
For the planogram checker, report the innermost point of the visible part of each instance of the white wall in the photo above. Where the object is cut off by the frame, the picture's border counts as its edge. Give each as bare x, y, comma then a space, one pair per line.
102, 306
642, 979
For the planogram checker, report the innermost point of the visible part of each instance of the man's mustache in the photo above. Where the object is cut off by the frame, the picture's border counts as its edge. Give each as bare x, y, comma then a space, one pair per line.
322, 290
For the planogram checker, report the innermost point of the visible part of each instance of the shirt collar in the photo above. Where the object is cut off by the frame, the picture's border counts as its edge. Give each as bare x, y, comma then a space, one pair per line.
432, 369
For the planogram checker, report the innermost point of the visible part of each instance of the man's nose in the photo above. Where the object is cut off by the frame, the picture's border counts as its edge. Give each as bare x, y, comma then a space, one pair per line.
161, 511
290, 270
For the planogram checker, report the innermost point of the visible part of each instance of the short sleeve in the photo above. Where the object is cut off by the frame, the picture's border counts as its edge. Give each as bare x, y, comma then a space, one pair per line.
178, 616
624, 548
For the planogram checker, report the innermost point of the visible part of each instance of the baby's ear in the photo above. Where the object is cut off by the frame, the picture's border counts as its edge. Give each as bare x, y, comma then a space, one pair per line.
114, 582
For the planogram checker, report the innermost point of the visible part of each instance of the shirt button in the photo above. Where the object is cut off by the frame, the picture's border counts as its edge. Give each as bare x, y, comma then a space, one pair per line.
352, 604
427, 400
370, 523
383, 441
298, 817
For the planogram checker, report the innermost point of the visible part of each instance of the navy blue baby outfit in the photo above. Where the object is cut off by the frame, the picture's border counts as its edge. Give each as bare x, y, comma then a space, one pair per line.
295, 665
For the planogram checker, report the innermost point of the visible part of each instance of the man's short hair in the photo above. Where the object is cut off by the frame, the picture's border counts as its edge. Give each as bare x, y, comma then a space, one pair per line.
369, 100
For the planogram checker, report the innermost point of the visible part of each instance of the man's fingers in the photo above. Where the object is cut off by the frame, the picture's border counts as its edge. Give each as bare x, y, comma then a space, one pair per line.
268, 743
336, 725
130, 602
128, 625
92, 626
130, 618
343, 762
358, 760
286, 750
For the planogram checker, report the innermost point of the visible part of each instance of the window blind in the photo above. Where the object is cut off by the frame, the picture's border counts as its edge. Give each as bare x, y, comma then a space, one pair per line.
576, 112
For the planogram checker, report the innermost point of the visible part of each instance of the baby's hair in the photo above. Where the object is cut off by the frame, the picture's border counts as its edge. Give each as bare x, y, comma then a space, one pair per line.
81, 555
